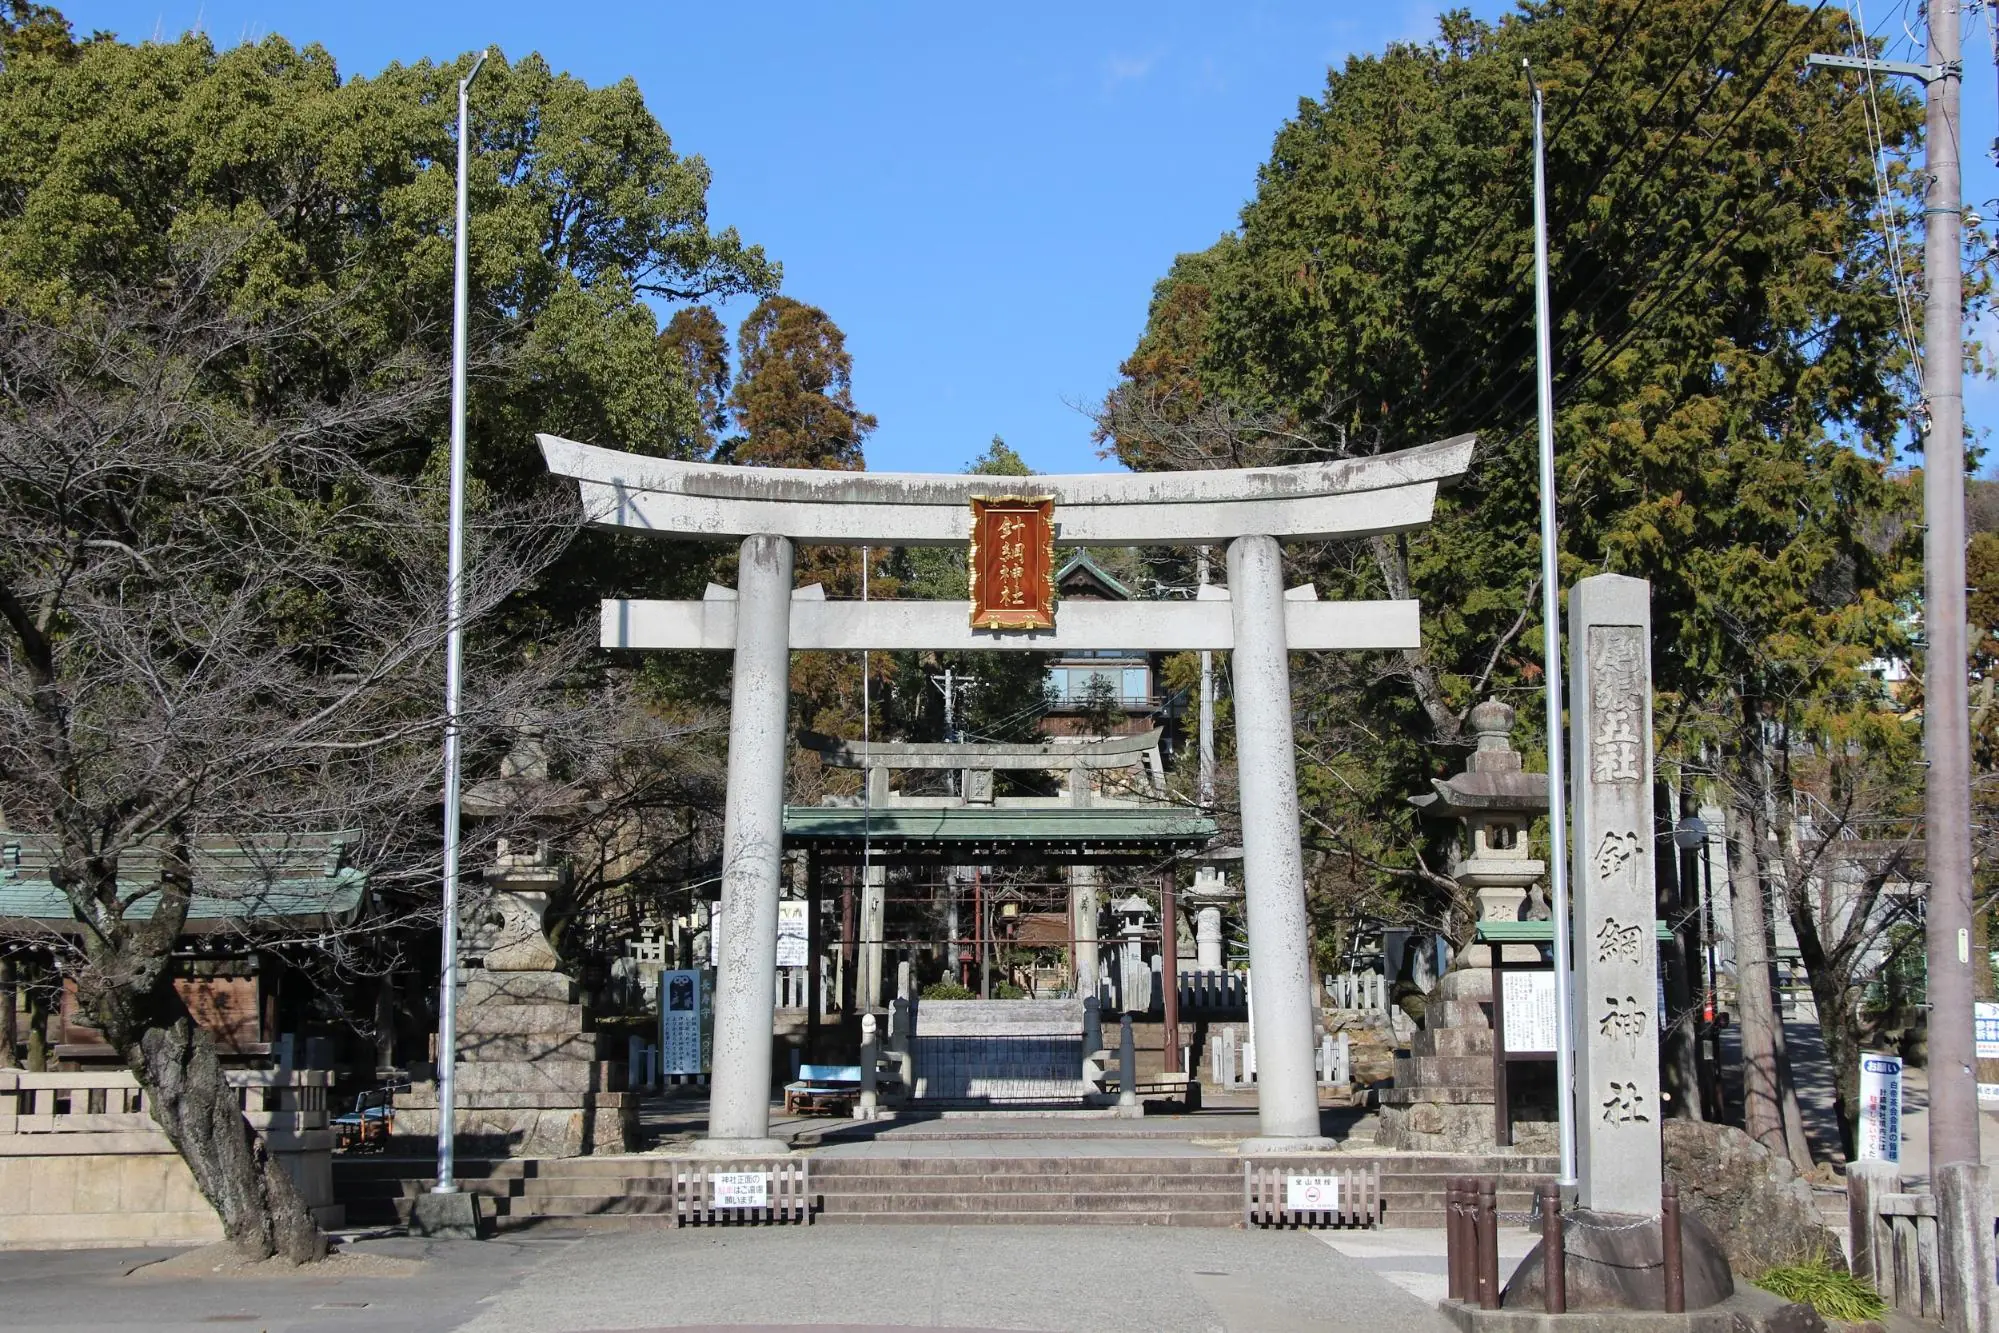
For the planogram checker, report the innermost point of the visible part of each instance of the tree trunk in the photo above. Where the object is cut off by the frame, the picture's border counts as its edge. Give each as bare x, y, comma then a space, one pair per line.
1680, 1067
8, 1016
38, 1027
262, 1211
1756, 1015
189, 1095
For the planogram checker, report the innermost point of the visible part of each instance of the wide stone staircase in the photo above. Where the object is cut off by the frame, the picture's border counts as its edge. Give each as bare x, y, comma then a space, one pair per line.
1163, 1189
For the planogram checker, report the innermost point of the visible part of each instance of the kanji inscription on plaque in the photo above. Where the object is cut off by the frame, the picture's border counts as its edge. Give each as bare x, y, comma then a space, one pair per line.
1617, 702
1012, 562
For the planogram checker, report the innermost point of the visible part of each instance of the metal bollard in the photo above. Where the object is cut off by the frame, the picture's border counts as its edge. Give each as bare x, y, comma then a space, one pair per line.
1669, 1242
1554, 1261
1488, 1245
1454, 1243
1127, 1067
870, 1070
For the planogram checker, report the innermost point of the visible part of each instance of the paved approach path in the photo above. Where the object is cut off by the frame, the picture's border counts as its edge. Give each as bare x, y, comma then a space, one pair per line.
1052, 1279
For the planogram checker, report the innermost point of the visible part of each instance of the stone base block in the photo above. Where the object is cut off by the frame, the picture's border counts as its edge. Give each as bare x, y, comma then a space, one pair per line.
1455, 1127
1448, 1013
729, 1148
572, 1078
1444, 1071
1453, 1042
1473, 984
538, 1017
454, 1216
1616, 1261
484, 988
1278, 1146
527, 1131
501, 1047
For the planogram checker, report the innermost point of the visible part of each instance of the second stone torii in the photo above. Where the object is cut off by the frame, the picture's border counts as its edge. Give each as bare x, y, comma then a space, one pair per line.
1249, 510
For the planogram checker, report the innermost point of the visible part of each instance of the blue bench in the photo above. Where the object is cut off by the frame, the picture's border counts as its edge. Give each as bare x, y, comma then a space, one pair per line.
822, 1088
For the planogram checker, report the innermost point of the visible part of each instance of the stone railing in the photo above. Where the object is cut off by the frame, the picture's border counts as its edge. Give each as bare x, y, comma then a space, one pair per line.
280, 1105
88, 1164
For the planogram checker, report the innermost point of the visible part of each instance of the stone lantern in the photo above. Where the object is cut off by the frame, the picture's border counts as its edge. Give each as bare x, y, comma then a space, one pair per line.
1444, 1098
1134, 918
1210, 890
1497, 803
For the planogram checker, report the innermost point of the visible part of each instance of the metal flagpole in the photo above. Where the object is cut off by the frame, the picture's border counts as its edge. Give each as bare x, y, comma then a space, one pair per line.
447, 999
1551, 663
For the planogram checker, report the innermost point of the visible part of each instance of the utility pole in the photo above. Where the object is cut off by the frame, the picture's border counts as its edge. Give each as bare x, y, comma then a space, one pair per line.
1961, 1185
447, 995
1551, 666
1206, 779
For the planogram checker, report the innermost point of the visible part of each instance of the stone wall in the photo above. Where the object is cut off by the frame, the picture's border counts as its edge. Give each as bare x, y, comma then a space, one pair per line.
82, 1162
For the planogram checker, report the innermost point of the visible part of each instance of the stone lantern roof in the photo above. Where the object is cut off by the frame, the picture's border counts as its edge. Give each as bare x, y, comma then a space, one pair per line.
1494, 781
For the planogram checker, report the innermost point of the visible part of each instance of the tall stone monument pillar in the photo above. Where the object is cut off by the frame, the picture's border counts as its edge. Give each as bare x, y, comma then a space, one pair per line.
1083, 910
874, 949
752, 848
1273, 868
1616, 952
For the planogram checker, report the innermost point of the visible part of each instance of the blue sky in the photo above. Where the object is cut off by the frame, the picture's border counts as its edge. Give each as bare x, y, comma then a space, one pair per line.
982, 198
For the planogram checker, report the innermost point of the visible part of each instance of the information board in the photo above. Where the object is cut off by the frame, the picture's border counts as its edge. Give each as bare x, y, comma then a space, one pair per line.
742, 1189
685, 1023
792, 948
1985, 1028
1529, 1013
1303, 1194
1880, 1108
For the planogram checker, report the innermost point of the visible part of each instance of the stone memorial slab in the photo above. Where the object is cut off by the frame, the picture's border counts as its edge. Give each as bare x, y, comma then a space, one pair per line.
1616, 959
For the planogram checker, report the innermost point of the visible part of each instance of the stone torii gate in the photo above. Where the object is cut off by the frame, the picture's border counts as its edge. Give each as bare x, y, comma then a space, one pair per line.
1249, 510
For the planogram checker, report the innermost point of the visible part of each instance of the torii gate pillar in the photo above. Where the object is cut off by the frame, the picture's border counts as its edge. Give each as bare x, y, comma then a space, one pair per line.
1273, 869
752, 848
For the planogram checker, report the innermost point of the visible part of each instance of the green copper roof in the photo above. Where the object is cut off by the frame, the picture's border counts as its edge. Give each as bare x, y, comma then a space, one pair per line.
237, 883
976, 834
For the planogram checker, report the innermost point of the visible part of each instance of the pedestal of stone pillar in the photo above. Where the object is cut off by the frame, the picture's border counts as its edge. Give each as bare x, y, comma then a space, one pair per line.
752, 842
531, 1080
1444, 1098
1280, 976
1208, 939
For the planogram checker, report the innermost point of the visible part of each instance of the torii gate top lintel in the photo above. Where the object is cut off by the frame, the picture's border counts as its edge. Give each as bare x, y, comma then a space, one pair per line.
1350, 497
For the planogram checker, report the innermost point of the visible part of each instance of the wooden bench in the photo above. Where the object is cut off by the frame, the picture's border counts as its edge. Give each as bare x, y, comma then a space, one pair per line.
829, 1088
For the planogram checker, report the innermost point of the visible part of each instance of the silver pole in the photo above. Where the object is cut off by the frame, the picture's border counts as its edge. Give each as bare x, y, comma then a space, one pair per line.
447, 994
1551, 663
1206, 780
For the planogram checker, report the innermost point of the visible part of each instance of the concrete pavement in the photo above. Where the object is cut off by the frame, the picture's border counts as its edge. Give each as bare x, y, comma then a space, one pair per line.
1051, 1279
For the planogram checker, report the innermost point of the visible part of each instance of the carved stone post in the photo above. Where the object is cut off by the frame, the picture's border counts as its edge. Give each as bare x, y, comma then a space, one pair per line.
1616, 952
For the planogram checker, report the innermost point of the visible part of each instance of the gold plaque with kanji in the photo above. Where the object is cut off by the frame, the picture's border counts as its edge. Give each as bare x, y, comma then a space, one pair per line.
1012, 562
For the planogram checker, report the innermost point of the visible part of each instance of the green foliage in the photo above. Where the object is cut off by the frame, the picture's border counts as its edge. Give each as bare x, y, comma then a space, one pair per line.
1730, 377
1834, 1293
794, 395
947, 990
582, 214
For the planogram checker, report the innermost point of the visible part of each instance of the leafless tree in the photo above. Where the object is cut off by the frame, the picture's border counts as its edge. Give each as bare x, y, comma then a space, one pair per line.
218, 622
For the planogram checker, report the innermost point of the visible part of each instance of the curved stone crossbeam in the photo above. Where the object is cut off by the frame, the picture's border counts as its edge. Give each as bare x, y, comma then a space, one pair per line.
1353, 497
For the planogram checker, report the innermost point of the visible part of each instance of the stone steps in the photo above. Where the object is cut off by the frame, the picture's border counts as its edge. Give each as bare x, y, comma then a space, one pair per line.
1150, 1190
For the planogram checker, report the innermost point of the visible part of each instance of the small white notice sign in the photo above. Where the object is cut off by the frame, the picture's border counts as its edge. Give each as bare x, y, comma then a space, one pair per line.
1880, 1108
1529, 1016
1985, 1029
1312, 1194
742, 1189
